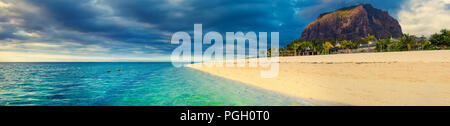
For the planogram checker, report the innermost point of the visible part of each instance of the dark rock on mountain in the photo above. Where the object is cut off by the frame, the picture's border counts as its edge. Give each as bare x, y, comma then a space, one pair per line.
352, 23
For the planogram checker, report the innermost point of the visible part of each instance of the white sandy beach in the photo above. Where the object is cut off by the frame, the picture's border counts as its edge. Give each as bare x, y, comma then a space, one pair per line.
392, 78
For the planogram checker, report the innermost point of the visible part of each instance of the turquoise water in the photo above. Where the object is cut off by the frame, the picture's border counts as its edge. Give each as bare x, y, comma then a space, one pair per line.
137, 84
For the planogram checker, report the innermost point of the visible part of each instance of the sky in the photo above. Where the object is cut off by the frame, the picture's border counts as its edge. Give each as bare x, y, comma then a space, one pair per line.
141, 30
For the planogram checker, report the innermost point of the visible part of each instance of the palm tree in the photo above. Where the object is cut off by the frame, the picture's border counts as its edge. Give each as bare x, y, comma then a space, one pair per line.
327, 46
424, 43
408, 40
395, 46
382, 44
318, 46
368, 40
306, 45
295, 48
348, 45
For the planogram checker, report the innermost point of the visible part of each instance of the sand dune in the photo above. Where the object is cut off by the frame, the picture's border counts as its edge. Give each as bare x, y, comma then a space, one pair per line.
393, 78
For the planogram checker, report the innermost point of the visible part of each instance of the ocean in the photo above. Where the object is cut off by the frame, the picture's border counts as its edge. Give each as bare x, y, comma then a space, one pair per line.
136, 84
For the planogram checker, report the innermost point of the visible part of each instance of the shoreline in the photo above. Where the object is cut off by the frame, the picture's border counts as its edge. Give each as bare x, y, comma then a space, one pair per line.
313, 102
388, 78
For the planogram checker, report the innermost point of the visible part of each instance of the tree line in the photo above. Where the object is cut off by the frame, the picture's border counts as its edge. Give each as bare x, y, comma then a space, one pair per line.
437, 41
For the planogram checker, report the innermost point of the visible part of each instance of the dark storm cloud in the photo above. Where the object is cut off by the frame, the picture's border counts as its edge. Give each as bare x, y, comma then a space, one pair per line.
85, 16
285, 16
151, 22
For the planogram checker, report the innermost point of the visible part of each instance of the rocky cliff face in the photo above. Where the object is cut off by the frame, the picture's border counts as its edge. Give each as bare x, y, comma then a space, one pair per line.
352, 23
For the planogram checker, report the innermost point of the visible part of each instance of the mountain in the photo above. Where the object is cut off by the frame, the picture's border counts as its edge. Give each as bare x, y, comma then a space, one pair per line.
352, 23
